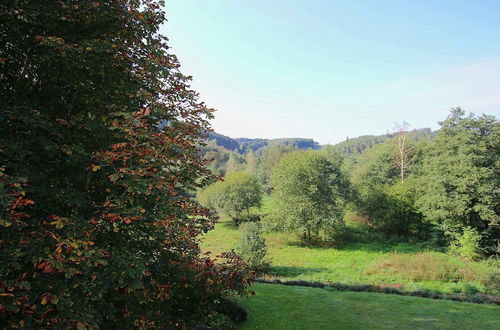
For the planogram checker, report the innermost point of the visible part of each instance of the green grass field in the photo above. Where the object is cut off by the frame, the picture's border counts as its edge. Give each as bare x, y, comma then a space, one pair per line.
286, 307
402, 265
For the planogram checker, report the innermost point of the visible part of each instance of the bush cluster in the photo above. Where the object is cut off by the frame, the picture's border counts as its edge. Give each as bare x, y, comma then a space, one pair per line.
227, 316
234, 311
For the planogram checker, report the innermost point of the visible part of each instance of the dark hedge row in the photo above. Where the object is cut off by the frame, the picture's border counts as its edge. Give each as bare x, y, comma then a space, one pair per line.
333, 286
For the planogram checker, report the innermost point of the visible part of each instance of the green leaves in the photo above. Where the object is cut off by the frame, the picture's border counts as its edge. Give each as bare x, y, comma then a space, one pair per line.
252, 246
93, 193
237, 193
459, 185
309, 192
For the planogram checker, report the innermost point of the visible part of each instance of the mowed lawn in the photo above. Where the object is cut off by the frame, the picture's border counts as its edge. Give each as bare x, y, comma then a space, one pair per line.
291, 307
369, 263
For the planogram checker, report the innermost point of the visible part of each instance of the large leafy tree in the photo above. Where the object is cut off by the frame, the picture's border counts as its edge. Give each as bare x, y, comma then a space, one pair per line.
388, 205
460, 182
239, 192
98, 226
309, 192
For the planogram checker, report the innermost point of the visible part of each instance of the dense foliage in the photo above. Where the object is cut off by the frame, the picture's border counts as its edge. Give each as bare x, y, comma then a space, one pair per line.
466, 244
387, 203
99, 227
252, 246
236, 194
243, 145
418, 185
356, 146
309, 193
460, 180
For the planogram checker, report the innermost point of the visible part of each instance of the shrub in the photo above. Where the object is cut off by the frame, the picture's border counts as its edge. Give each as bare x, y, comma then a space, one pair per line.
390, 290
391, 210
494, 281
234, 311
469, 289
338, 236
253, 247
466, 245
219, 321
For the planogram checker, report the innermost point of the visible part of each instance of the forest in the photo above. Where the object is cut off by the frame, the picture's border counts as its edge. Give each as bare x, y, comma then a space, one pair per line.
120, 207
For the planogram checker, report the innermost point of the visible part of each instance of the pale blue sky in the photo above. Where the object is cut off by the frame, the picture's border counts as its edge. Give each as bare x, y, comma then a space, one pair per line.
331, 69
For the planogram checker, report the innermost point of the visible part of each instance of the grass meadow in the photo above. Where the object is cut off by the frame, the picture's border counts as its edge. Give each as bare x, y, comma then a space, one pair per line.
286, 307
403, 265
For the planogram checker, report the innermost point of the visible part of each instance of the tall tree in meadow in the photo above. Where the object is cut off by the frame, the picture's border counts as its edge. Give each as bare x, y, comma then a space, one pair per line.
239, 192
309, 193
460, 182
98, 226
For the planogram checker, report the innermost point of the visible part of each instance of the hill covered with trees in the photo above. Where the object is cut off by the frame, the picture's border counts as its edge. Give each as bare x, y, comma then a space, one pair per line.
356, 146
242, 145
230, 154
351, 146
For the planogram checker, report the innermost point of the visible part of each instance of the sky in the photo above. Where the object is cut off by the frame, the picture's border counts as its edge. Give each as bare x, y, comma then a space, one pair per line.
328, 69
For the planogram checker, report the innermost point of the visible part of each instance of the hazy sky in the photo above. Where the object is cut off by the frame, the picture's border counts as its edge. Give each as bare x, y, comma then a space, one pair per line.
334, 69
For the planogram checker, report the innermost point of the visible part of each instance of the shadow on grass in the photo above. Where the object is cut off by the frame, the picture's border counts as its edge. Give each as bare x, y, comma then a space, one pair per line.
316, 245
402, 247
293, 271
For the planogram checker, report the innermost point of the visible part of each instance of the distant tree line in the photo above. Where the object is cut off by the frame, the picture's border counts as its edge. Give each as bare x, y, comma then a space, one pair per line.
243, 145
356, 146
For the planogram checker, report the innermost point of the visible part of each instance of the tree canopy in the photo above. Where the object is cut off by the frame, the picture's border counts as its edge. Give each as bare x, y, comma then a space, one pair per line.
309, 192
237, 193
460, 181
99, 225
